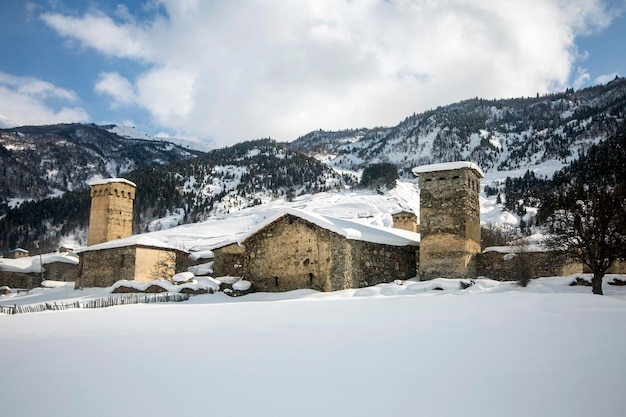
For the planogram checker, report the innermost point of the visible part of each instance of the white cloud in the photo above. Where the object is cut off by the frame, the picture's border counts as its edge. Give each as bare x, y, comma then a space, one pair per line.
101, 32
603, 79
240, 70
119, 88
25, 101
582, 78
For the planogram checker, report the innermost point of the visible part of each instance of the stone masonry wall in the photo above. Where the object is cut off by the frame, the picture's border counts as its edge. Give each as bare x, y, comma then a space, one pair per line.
287, 255
102, 268
19, 280
228, 260
504, 266
374, 263
61, 271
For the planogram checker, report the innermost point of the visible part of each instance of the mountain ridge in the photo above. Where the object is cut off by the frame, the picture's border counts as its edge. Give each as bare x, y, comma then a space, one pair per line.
501, 136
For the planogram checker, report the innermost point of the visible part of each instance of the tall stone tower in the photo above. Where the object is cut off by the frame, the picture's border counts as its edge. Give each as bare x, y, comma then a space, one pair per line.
449, 219
111, 215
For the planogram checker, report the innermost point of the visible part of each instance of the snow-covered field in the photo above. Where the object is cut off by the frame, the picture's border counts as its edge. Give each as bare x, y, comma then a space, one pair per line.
399, 349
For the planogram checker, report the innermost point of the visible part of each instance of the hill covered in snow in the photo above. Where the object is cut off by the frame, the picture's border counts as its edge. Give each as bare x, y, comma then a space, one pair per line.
498, 135
506, 138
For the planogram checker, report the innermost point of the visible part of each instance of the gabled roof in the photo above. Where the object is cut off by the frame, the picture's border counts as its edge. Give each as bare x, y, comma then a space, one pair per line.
346, 228
18, 250
136, 240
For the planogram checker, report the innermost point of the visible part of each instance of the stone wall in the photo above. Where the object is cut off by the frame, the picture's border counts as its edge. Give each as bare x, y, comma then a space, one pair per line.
617, 267
102, 268
228, 260
287, 255
61, 271
293, 253
19, 280
373, 263
505, 266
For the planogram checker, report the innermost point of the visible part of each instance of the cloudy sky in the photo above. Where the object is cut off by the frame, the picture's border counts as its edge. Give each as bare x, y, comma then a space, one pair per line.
233, 70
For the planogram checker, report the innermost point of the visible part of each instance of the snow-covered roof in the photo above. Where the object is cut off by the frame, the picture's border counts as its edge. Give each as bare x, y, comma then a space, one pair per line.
446, 166
347, 228
136, 240
32, 264
18, 250
109, 181
516, 249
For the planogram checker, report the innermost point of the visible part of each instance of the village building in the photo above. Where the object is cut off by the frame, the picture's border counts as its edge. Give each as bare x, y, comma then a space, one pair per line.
449, 219
138, 258
16, 253
30, 271
112, 254
296, 249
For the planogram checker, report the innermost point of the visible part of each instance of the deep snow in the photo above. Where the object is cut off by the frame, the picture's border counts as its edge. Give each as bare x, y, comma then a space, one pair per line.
399, 349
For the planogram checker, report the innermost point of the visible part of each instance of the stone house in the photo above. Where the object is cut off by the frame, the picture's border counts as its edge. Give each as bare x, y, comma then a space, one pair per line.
27, 272
16, 253
112, 253
296, 249
139, 258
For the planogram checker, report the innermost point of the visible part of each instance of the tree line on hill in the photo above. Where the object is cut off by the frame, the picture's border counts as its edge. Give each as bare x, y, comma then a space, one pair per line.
246, 171
583, 206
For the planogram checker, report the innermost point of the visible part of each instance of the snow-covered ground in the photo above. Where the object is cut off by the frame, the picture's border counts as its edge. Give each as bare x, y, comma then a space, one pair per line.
399, 349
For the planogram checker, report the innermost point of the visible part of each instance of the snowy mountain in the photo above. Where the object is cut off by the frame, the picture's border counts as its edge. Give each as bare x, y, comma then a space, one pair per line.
43, 161
506, 138
184, 191
499, 135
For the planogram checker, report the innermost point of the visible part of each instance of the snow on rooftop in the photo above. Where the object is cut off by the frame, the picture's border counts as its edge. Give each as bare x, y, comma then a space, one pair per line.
32, 264
136, 240
110, 181
446, 166
347, 228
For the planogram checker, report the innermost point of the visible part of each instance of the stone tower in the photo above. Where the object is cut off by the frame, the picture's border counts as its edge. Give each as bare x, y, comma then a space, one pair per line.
406, 220
449, 219
111, 215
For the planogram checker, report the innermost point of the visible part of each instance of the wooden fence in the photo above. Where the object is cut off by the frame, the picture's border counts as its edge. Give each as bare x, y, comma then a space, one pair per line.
97, 303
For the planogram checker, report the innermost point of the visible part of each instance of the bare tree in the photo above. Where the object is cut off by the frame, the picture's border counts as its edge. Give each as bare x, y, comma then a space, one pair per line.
589, 224
524, 266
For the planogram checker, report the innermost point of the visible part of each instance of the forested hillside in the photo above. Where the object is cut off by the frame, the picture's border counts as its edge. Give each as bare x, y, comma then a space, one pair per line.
579, 129
41, 161
191, 190
498, 135
602, 165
